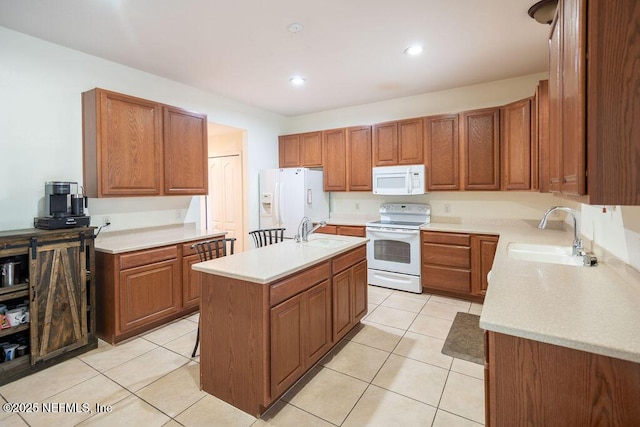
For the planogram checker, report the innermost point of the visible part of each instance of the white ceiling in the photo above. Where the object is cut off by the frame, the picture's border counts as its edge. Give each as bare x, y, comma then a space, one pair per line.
350, 51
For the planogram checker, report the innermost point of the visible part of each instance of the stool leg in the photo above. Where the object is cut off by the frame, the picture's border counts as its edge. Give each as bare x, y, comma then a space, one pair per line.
197, 340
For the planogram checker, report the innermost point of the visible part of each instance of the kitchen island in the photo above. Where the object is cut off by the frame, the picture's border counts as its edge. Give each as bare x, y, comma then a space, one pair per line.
268, 315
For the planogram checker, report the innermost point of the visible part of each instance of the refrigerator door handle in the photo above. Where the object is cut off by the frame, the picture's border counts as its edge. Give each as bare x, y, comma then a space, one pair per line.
276, 205
281, 221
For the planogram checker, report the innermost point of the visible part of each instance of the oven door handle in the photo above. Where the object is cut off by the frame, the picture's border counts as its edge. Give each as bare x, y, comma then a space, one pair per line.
391, 231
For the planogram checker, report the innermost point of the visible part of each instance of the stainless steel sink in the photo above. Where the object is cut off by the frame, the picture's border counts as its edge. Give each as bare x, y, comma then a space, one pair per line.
544, 253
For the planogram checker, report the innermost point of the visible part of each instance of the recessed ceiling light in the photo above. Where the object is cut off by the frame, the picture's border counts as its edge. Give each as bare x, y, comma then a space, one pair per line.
297, 81
413, 50
295, 27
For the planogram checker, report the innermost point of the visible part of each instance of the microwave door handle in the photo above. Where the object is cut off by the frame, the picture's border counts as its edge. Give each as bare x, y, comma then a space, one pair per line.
408, 180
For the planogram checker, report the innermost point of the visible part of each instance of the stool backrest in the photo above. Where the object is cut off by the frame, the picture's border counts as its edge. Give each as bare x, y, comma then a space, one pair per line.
214, 248
267, 236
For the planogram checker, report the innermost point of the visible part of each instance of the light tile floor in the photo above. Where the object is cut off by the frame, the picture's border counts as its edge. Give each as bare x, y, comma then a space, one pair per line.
388, 371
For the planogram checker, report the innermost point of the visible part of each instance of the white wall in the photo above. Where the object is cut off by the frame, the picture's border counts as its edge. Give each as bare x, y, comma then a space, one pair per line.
447, 101
41, 130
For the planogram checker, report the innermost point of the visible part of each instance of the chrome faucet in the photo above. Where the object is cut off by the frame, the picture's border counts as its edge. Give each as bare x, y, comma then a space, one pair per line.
577, 243
304, 231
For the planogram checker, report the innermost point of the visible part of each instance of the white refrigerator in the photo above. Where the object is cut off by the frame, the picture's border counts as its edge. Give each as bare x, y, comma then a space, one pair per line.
287, 195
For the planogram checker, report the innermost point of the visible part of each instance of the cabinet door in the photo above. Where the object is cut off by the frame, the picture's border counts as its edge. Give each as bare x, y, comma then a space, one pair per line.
573, 96
516, 145
342, 304
185, 152
555, 106
287, 353
311, 149
442, 155
318, 321
129, 145
191, 282
542, 132
289, 151
148, 293
483, 251
410, 142
385, 144
480, 135
360, 298
359, 155
59, 304
334, 146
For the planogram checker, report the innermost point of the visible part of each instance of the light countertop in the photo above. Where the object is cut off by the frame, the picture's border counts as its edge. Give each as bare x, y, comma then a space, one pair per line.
595, 309
145, 238
270, 263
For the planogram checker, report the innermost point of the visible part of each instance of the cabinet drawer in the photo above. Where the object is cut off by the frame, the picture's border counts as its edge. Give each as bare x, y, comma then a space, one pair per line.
447, 255
446, 238
327, 229
450, 279
150, 256
350, 258
351, 230
287, 288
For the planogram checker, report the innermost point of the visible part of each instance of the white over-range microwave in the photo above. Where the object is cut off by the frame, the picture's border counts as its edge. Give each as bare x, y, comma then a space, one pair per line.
399, 180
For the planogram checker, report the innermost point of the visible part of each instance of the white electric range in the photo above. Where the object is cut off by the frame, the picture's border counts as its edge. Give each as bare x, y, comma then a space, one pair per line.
393, 249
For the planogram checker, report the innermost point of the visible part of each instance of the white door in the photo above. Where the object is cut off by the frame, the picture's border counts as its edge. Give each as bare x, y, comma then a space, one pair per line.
224, 202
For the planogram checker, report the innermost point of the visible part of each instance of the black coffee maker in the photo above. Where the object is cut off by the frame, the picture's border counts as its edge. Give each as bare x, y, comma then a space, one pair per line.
62, 208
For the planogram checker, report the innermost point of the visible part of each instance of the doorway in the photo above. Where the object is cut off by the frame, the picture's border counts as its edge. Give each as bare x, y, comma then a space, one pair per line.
224, 206
224, 203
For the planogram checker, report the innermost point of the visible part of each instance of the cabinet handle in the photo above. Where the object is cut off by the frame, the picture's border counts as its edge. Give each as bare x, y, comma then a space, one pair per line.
34, 247
33, 293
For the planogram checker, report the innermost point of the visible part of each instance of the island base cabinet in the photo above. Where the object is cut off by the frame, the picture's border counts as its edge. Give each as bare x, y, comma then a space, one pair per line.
258, 339
533, 383
349, 299
300, 335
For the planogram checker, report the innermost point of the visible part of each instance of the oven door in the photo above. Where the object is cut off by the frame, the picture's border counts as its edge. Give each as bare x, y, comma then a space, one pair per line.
395, 250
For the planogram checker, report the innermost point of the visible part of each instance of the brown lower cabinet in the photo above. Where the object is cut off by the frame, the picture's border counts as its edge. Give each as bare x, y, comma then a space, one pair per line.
141, 290
532, 383
344, 230
456, 264
258, 339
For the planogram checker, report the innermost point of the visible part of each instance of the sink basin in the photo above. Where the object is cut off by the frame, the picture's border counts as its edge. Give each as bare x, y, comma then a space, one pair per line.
543, 253
325, 243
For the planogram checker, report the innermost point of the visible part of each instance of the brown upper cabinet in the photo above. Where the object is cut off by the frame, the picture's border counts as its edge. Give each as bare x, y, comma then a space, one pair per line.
185, 154
359, 159
596, 124
137, 147
480, 144
398, 143
516, 145
442, 152
301, 150
334, 150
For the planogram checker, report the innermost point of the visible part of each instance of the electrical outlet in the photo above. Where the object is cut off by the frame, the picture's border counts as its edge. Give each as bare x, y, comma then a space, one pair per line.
106, 221
179, 216
357, 206
447, 208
